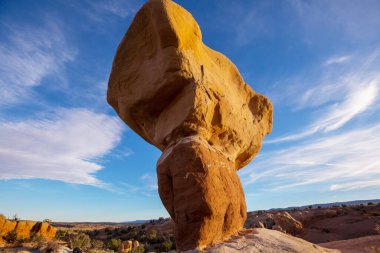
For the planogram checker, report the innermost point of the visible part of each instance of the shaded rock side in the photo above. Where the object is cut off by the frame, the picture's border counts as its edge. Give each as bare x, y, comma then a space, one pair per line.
202, 192
192, 103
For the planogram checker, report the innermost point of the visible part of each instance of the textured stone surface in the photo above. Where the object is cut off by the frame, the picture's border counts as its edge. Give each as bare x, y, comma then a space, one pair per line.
263, 240
25, 228
192, 103
281, 221
202, 192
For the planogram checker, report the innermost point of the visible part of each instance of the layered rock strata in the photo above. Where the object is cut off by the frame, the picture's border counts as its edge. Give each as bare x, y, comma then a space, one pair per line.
192, 103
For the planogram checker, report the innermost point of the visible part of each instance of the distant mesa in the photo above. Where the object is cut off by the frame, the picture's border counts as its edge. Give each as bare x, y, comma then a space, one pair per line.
192, 103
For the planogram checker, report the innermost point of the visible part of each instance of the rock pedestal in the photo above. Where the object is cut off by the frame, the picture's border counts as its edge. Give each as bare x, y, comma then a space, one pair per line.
192, 103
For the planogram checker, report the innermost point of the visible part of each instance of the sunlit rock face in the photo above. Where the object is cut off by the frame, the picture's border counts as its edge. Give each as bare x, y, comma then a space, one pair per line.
192, 103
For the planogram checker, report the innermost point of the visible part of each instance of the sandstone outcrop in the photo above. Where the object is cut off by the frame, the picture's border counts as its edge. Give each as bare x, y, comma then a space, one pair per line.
192, 103
25, 229
281, 221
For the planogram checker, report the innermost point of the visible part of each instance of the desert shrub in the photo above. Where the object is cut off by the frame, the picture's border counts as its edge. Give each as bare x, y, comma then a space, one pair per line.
310, 207
133, 235
319, 207
11, 237
343, 205
37, 239
50, 247
15, 217
167, 245
139, 249
97, 244
152, 235
113, 244
370, 204
62, 235
81, 240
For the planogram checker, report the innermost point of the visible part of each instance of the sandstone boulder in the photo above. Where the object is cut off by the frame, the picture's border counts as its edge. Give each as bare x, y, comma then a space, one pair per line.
281, 221
167, 85
128, 246
192, 103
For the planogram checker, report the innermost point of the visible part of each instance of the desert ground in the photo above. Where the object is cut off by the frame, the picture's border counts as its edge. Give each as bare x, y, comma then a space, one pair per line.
348, 229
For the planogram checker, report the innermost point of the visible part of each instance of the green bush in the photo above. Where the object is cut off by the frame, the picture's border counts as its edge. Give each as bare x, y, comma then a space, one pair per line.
139, 249
167, 245
152, 235
50, 247
97, 244
11, 237
81, 240
39, 240
113, 244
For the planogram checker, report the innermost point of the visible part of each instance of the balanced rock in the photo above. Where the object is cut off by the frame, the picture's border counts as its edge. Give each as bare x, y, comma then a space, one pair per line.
192, 103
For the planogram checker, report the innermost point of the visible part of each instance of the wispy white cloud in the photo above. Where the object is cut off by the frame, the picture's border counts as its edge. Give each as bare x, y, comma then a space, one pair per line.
355, 185
150, 181
104, 11
340, 159
338, 60
119, 8
145, 185
28, 54
66, 146
338, 98
356, 20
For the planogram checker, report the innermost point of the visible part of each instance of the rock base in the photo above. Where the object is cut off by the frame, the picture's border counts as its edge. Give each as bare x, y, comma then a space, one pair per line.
264, 241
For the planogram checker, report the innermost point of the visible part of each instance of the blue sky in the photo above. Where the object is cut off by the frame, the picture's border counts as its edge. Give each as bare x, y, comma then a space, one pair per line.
66, 156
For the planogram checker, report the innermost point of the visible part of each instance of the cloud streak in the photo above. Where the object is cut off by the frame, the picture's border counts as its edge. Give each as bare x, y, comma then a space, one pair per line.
65, 146
348, 160
339, 98
29, 54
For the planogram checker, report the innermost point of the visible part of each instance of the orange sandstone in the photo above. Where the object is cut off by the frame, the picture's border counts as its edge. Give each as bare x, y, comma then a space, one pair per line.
192, 103
25, 229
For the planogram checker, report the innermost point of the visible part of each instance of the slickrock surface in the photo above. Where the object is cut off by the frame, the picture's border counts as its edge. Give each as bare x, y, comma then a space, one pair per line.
25, 228
322, 225
366, 244
265, 241
192, 103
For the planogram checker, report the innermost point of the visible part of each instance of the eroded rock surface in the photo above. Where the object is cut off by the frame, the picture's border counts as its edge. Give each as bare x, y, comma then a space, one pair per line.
263, 240
25, 229
192, 103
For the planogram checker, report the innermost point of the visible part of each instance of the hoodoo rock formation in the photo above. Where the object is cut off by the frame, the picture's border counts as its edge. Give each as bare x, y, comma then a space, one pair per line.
192, 103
